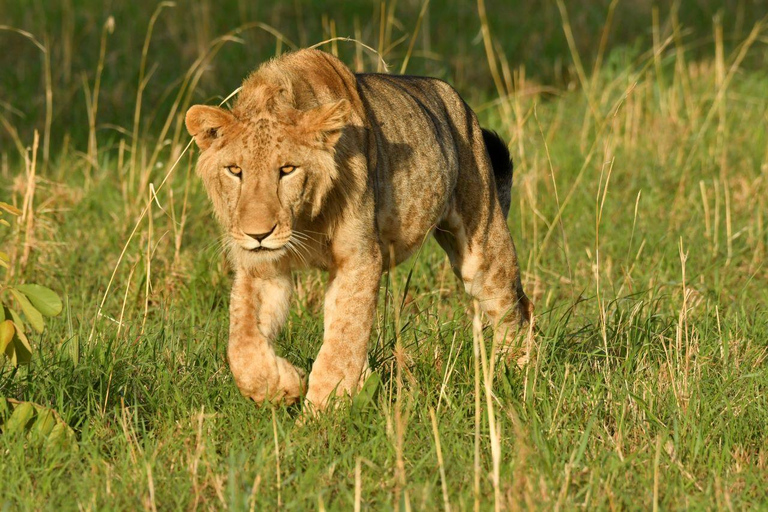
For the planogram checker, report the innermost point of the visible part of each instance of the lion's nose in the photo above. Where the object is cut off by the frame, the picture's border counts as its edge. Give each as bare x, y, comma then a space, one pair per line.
261, 236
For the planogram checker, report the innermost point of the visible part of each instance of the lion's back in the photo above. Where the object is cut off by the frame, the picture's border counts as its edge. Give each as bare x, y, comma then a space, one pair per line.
421, 129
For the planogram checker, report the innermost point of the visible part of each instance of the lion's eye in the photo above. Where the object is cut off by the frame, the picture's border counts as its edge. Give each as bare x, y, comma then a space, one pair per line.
234, 170
287, 169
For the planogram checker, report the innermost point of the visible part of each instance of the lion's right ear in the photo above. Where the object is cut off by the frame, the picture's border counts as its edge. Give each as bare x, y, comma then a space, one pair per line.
324, 124
205, 123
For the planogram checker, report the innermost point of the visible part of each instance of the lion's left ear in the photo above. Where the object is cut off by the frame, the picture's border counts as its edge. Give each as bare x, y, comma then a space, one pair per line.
326, 122
205, 123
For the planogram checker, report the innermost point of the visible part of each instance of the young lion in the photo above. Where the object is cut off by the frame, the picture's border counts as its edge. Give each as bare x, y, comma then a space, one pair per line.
317, 166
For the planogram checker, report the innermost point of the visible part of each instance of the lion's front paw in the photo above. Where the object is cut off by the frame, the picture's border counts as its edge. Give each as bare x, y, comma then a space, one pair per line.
293, 383
280, 382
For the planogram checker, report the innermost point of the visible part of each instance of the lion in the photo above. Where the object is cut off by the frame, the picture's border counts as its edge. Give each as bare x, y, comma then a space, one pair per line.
315, 166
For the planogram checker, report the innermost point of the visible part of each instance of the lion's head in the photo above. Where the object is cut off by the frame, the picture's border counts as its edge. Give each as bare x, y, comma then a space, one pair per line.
265, 168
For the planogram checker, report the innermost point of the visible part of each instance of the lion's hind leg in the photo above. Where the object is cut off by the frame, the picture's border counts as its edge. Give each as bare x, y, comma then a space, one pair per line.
484, 259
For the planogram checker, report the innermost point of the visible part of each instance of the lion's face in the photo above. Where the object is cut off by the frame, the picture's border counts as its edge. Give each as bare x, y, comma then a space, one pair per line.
265, 172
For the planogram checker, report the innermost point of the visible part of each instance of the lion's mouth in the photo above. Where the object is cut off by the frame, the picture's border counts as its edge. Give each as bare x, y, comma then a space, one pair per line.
248, 247
261, 249
264, 251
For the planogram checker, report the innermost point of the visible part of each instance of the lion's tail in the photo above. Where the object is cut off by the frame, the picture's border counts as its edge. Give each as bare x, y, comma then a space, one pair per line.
502, 167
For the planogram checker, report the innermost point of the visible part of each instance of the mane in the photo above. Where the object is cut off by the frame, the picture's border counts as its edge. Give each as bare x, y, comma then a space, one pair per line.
294, 80
280, 83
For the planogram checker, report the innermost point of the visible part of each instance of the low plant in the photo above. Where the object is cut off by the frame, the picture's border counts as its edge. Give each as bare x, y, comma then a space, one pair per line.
39, 424
35, 302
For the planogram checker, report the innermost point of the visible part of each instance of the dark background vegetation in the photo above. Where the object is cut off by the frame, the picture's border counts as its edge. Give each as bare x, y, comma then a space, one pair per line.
450, 45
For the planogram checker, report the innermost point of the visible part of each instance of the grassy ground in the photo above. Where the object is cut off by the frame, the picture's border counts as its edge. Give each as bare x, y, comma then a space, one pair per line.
639, 212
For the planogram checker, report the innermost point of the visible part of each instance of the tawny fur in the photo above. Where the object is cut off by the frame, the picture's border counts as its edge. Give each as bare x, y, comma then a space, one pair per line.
316, 166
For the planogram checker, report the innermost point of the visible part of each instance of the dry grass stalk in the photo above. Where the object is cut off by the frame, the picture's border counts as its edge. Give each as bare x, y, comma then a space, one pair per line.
92, 99
277, 461
741, 54
401, 416
440, 463
358, 485
490, 54
408, 53
487, 363
477, 336
143, 80
26, 223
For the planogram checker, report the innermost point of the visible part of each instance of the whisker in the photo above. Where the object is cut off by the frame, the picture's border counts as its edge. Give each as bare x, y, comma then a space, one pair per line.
302, 245
300, 235
295, 251
305, 237
218, 248
315, 232
218, 241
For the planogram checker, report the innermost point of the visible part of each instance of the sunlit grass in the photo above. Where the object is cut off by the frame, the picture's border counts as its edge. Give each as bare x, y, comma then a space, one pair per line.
639, 211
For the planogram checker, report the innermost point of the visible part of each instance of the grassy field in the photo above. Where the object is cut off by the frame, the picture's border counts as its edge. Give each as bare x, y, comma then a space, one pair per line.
640, 203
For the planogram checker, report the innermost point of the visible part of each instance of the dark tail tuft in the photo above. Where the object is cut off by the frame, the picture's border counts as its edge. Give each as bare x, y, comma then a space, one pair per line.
502, 167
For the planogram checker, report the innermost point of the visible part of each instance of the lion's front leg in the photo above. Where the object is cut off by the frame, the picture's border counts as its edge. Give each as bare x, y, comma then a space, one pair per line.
258, 309
350, 306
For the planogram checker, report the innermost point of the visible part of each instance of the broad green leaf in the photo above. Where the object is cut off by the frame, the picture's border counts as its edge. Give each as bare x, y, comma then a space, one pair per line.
7, 330
34, 317
45, 422
62, 436
36, 422
16, 318
10, 353
19, 419
19, 351
23, 338
44, 299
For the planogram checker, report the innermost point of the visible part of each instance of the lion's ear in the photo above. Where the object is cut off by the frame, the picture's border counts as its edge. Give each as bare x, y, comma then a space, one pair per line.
205, 123
326, 122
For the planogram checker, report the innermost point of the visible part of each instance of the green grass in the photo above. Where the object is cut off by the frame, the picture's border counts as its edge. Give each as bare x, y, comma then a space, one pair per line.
639, 213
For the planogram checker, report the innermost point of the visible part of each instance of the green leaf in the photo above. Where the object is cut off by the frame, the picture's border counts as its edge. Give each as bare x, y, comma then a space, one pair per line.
18, 350
7, 331
23, 338
62, 436
44, 299
16, 318
34, 317
44, 423
39, 424
19, 419
367, 393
